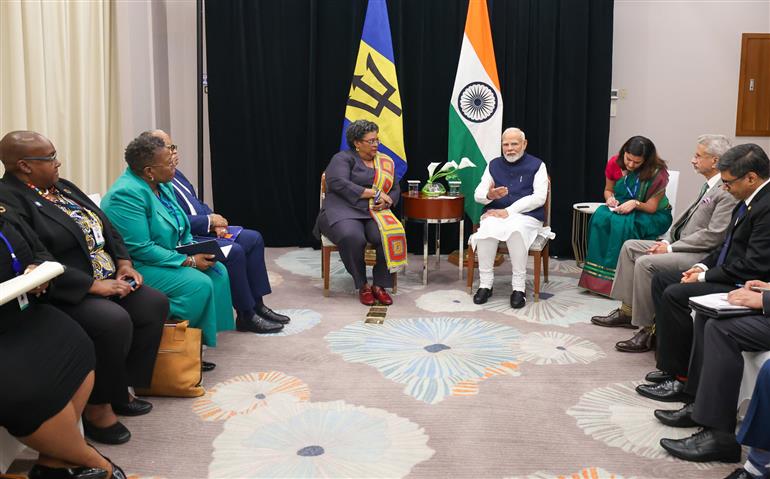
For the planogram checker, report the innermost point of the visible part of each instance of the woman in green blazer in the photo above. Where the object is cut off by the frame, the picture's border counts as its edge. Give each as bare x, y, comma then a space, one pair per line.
143, 207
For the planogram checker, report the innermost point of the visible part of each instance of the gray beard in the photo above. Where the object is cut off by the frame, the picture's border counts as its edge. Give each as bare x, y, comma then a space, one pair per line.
514, 158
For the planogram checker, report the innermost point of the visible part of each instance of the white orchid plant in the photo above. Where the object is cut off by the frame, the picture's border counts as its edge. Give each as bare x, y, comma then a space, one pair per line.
449, 170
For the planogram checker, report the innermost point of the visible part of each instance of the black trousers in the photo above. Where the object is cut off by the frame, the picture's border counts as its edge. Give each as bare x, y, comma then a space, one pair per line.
351, 237
716, 365
126, 334
673, 318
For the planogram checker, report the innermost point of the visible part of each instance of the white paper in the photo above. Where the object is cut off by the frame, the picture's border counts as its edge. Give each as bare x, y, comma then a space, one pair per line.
226, 249
14, 287
717, 302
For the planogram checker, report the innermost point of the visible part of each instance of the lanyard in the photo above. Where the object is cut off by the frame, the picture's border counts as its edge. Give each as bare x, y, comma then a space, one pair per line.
69, 204
636, 186
170, 208
15, 263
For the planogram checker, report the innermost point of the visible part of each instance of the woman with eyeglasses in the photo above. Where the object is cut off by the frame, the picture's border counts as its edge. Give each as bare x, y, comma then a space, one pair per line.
48, 365
635, 207
142, 206
361, 189
100, 289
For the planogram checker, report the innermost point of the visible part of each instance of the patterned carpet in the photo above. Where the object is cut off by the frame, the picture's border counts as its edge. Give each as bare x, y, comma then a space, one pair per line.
443, 388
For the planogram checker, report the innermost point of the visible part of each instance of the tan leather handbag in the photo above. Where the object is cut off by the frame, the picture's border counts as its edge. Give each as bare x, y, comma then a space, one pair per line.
177, 370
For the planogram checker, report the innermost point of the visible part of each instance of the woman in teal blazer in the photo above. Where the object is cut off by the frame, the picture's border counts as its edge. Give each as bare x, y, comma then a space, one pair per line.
143, 207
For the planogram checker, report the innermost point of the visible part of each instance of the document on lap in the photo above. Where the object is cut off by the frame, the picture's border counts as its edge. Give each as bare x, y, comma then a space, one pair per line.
15, 287
207, 247
716, 306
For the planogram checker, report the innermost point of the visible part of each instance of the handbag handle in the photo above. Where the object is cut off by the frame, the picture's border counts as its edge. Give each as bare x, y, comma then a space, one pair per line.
180, 329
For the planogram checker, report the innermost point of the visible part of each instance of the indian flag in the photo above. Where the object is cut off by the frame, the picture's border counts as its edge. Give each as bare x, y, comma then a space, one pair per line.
476, 108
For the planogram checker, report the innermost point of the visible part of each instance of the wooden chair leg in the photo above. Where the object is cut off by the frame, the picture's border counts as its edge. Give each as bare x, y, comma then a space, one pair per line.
395, 283
470, 266
546, 257
537, 276
326, 256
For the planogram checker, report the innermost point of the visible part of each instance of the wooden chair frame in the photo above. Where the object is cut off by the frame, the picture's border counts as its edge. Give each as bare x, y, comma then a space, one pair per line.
370, 253
541, 256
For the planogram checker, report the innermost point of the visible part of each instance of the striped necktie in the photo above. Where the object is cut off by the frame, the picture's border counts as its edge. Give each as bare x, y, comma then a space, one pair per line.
726, 245
676, 233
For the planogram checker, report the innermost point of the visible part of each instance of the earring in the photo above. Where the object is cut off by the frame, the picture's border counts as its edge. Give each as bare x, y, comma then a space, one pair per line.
152, 178
357, 149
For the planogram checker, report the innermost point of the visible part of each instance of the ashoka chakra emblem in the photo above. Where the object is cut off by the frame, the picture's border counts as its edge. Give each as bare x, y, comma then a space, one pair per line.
477, 102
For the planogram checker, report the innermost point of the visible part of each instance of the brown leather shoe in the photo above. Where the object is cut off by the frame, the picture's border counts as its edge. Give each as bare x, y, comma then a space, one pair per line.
641, 342
381, 295
616, 319
365, 295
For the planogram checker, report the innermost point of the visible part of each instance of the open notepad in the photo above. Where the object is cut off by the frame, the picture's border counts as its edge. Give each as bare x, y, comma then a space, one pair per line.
716, 306
21, 284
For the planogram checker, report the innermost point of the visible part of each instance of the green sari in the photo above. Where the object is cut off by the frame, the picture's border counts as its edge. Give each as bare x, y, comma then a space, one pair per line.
608, 231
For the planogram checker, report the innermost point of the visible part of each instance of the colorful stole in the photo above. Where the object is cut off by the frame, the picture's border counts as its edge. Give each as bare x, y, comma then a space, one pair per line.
391, 231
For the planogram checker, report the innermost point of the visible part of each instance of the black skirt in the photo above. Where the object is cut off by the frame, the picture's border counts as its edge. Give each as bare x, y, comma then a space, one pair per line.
44, 358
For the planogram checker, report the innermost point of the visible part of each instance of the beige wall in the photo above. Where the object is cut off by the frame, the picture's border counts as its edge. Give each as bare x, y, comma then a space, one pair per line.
157, 66
678, 62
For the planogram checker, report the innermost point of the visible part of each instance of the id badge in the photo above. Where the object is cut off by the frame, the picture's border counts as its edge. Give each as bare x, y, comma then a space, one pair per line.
23, 301
98, 236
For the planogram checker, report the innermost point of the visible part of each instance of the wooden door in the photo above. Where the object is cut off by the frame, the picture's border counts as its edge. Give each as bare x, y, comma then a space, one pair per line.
754, 86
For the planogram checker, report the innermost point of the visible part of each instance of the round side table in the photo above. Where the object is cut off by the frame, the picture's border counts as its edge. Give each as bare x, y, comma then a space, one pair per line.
434, 210
581, 215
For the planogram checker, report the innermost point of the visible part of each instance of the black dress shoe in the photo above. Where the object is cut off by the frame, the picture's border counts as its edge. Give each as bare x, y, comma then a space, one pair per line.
117, 472
137, 407
667, 391
270, 315
705, 446
115, 434
658, 376
740, 474
257, 324
678, 418
482, 295
207, 366
518, 299
44, 472
641, 342
616, 319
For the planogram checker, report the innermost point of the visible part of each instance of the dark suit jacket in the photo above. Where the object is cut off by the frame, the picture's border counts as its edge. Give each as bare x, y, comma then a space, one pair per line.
749, 254
63, 238
185, 196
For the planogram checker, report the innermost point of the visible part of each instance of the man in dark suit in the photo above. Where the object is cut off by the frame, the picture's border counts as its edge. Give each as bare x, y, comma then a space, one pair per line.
245, 262
715, 373
744, 255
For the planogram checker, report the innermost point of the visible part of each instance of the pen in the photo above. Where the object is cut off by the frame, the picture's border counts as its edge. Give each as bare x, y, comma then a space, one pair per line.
759, 289
740, 285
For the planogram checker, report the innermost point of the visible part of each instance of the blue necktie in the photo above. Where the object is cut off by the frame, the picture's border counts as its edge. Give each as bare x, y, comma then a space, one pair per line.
726, 246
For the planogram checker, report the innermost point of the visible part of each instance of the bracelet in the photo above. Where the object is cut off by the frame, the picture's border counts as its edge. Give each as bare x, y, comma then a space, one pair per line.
377, 195
637, 203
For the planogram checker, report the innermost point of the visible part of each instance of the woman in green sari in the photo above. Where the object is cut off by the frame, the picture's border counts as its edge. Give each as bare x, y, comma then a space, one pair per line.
636, 208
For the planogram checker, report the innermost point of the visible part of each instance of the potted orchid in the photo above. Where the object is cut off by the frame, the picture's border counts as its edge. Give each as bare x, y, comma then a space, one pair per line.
448, 170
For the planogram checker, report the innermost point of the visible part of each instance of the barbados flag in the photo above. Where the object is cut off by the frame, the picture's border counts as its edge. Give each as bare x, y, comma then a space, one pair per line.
374, 90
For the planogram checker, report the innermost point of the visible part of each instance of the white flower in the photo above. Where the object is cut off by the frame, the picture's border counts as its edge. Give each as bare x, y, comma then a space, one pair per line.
448, 166
322, 439
553, 347
432, 167
465, 163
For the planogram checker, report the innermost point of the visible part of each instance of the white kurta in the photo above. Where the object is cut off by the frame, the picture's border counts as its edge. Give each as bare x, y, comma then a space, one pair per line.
492, 229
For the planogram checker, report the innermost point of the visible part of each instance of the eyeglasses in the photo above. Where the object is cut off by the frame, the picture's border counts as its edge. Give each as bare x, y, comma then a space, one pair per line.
172, 148
40, 158
172, 162
372, 142
728, 183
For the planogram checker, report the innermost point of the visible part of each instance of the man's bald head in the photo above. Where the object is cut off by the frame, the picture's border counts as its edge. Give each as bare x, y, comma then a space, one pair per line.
17, 144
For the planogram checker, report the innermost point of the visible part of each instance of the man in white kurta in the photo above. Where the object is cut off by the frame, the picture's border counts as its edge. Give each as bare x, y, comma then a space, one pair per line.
513, 189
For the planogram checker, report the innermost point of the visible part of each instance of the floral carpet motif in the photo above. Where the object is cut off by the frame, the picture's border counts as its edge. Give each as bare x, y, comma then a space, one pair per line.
587, 473
248, 392
301, 320
553, 347
433, 357
307, 262
324, 439
618, 416
562, 303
